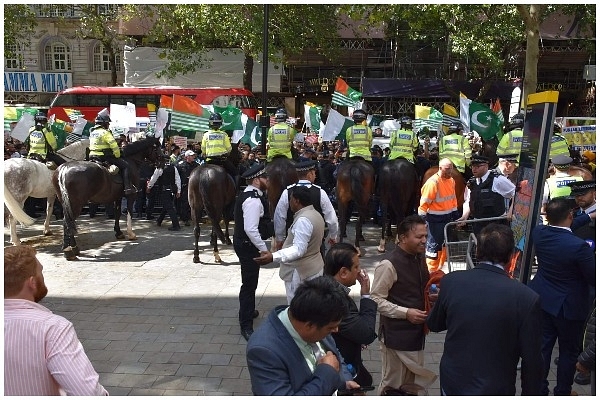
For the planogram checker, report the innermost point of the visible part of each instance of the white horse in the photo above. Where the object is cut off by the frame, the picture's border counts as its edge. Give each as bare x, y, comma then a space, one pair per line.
25, 178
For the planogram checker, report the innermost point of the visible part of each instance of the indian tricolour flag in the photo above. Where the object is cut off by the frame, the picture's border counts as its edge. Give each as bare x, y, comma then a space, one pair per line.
427, 117
188, 115
344, 95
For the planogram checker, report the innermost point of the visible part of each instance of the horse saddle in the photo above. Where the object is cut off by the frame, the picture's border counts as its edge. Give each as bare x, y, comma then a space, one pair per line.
111, 168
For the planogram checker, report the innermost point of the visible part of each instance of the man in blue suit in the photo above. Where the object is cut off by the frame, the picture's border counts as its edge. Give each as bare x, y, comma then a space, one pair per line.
492, 321
566, 266
293, 353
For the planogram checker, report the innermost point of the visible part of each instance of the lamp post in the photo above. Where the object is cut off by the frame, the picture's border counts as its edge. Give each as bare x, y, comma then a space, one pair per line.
264, 118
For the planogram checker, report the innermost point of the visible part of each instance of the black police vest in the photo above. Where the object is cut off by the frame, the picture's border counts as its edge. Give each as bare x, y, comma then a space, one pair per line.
167, 180
485, 203
265, 224
315, 200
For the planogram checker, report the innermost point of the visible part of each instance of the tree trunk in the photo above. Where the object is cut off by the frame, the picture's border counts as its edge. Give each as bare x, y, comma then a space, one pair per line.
531, 16
113, 64
248, 70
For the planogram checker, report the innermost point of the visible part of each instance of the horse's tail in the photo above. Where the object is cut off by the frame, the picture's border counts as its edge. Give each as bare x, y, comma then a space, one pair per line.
69, 216
15, 208
356, 185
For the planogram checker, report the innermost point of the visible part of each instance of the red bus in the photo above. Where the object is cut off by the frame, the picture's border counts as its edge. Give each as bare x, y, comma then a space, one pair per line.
90, 100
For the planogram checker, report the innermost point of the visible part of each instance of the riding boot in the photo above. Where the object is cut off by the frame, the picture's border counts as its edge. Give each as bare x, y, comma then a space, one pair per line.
128, 187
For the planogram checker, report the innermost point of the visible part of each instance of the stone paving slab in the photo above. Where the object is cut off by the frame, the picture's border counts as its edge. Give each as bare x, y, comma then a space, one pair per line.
153, 323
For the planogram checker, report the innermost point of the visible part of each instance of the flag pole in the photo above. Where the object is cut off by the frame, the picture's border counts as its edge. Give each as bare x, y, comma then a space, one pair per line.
264, 119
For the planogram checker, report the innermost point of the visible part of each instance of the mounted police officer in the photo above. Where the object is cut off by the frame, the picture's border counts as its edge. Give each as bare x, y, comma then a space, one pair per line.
455, 147
280, 137
510, 143
404, 141
41, 140
359, 137
104, 147
216, 145
558, 143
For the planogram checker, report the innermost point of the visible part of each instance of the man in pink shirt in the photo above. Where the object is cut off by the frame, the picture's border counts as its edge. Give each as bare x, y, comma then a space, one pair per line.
42, 355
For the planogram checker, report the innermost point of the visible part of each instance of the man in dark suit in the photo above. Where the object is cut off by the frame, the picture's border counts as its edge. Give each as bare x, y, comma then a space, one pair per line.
566, 266
293, 353
491, 320
358, 328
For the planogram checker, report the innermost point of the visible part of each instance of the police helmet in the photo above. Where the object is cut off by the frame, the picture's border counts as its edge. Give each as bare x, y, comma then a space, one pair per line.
280, 115
517, 119
102, 119
40, 118
453, 128
215, 120
406, 121
557, 128
359, 116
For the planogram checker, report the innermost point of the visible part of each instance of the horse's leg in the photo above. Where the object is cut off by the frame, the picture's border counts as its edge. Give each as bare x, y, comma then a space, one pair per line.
70, 249
14, 239
214, 235
117, 227
342, 209
358, 232
49, 209
196, 239
384, 222
130, 233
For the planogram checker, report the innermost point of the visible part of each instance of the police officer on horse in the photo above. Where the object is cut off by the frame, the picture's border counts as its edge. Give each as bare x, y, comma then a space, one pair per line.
216, 145
359, 137
280, 137
104, 147
41, 140
404, 141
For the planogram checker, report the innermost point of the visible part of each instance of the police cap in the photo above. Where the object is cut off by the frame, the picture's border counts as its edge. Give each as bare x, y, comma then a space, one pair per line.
579, 188
306, 165
254, 171
477, 159
562, 160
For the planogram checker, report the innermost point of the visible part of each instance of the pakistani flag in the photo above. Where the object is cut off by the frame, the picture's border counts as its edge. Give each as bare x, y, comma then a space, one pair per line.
344, 95
479, 118
427, 117
249, 133
232, 117
336, 126
60, 129
312, 116
73, 114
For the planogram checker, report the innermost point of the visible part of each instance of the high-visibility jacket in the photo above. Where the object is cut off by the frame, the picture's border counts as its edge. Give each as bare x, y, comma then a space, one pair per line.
456, 148
39, 140
359, 139
215, 144
558, 184
558, 146
510, 143
403, 143
279, 138
438, 196
102, 139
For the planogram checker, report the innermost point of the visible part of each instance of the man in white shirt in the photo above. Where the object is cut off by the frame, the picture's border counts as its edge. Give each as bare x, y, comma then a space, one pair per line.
42, 355
300, 257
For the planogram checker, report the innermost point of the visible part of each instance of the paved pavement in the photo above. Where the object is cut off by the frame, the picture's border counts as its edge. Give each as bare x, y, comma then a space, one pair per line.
154, 323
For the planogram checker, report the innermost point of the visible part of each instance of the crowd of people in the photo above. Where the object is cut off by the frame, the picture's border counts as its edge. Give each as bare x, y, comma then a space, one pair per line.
312, 345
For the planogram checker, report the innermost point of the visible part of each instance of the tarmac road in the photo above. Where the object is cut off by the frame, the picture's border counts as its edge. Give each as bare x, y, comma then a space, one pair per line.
154, 323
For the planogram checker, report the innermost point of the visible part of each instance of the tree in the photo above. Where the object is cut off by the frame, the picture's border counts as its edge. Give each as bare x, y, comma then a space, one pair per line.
188, 31
19, 26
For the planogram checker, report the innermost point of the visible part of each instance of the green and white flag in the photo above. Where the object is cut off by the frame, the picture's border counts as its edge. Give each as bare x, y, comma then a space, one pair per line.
232, 117
479, 118
249, 133
312, 116
344, 95
427, 117
187, 115
336, 126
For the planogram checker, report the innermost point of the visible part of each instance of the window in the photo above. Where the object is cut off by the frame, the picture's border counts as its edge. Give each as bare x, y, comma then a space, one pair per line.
54, 11
13, 57
102, 59
107, 9
57, 57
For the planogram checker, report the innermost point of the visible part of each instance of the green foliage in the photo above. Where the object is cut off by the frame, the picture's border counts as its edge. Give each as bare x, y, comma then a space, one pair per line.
19, 25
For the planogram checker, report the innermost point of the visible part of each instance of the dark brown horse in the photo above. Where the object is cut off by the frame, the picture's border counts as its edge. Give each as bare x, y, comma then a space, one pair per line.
282, 173
355, 182
78, 182
398, 188
211, 188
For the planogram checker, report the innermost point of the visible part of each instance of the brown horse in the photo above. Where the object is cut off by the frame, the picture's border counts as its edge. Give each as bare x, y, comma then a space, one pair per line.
282, 173
78, 182
355, 182
398, 188
213, 189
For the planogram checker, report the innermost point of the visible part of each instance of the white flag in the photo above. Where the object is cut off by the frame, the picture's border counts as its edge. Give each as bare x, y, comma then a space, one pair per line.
336, 124
21, 130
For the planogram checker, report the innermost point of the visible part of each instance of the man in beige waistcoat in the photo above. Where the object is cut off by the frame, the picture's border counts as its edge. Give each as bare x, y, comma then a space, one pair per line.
300, 257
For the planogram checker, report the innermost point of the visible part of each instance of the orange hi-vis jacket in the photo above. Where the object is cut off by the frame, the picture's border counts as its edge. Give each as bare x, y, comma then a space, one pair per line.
438, 196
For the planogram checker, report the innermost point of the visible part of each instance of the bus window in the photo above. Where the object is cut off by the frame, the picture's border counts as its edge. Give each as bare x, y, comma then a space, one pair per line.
122, 99
65, 100
236, 101
94, 100
142, 100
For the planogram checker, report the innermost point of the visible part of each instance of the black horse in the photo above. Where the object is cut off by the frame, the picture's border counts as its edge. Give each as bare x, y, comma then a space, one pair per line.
78, 182
282, 173
398, 188
355, 182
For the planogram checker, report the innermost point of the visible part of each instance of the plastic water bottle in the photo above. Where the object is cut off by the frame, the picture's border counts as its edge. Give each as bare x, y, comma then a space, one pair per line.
352, 370
433, 289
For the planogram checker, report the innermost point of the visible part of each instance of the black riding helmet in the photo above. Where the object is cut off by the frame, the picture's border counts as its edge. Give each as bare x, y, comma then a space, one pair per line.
215, 120
359, 116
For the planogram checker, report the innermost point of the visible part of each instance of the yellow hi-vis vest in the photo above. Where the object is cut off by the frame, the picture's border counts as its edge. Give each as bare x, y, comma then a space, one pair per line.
359, 139
403, 144
510, 143
558, 146
559, 187
215, 144
280, 137
38, 140
103, 139
456, 148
